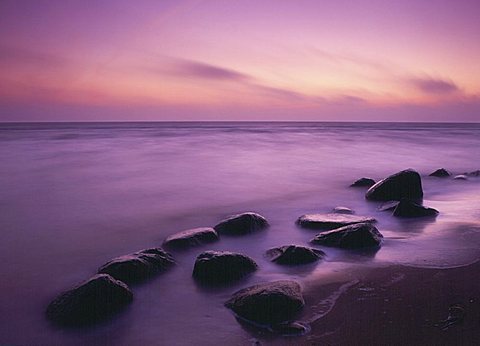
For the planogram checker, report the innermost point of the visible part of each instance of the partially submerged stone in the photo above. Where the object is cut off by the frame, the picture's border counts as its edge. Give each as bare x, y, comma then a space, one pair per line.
291, 328
407, 208
342, 210
404, 184
388, 206
356, 236
268, 303
294, 254
219, 267
138, 266
91, 301
474, 173
363, 182
191, 238
242, 224
460, 177
440, 173
331, 221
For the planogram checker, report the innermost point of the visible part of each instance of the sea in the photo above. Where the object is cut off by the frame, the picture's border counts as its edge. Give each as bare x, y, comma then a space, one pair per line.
75, 195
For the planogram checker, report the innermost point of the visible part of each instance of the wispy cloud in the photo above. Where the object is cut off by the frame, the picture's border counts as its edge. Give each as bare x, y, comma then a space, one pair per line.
196, 69
434, 85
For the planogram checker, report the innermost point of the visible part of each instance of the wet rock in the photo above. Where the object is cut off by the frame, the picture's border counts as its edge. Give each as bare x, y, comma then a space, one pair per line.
331, 221
242, 224
440, 173
291, 329
293, 255
474, 173
460, 177
360, 235
342, 210
404, 184
191, 238
407, 208
219, 267
363, 182
139, 266
391, 205
91, 301
268, 303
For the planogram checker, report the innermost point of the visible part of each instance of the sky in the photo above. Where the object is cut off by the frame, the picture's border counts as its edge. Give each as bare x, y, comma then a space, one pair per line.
281, 60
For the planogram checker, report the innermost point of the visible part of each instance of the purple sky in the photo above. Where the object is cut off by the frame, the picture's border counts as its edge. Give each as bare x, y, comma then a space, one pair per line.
239, 60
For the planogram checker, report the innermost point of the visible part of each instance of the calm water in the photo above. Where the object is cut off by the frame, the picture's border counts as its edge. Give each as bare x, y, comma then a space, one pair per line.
72, 196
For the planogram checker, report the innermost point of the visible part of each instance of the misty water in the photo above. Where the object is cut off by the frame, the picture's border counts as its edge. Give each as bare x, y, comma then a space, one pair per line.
73, 196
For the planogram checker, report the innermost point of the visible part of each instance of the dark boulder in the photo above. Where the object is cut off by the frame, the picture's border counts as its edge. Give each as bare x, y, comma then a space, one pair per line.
331, 221
191, 238
220, 267
342, 210
242, 224
407, 208
404, 184
363, 182
360, 235
460, 177
93, 300
139, 266
268, 303
293, 254
440, 173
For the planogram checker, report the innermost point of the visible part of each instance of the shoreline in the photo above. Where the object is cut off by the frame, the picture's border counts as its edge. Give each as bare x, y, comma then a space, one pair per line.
400, 305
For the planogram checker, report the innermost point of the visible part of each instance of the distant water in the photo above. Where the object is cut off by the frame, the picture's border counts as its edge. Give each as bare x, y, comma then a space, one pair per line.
73, 196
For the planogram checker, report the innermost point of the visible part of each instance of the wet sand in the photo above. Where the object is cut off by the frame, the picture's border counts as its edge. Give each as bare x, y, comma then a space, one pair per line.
401, 305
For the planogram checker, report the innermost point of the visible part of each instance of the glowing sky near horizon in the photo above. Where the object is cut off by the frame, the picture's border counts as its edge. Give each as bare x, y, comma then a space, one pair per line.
240, 60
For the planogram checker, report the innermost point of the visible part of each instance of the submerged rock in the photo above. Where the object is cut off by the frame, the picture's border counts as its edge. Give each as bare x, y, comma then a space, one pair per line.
242, 224
391, 205
474, 173
331, 221
191, 238
91, 301
440, 173
293, 254
219, 267
139, 266
363, 182
291, 329
407, 208
342, 210
460, 177
355, 236
404, 184
268, 303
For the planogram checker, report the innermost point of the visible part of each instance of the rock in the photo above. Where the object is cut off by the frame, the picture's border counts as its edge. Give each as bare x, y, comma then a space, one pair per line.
342, 210
474, 173
268, 303
191, 238
404, 184
331, 221
391, 205
291, 329
407, 208
91, 301
440, 173
293, 254
355, 236
242, 224
219, 267
139, 266
363, 182
460, 177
